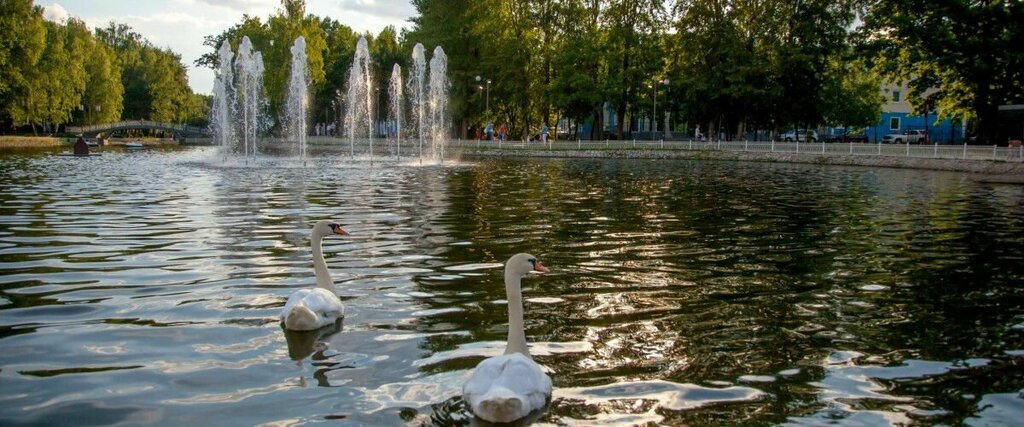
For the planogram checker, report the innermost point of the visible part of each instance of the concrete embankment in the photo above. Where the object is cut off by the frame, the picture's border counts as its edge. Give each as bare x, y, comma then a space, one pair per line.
1006, 169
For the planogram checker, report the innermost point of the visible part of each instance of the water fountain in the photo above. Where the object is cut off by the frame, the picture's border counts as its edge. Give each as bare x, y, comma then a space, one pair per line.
417, 94
395, 106
359, 97
240, 106
221, 112
438, 102
250, 101
297, 104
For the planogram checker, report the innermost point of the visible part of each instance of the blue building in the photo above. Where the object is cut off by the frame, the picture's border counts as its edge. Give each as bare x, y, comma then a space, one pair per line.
898, 116
609, 122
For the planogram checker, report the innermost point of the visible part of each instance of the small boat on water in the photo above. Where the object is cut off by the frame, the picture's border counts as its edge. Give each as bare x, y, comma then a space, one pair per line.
92, 143
134, 145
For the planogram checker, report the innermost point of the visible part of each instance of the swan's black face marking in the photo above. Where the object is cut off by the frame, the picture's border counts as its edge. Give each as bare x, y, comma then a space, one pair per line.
337, 229
537, 265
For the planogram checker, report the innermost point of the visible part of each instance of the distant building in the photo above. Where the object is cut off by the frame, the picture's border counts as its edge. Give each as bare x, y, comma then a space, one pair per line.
898, 116
608, 119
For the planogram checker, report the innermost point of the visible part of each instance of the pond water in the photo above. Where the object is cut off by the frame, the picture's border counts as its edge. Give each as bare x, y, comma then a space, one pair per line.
144, 288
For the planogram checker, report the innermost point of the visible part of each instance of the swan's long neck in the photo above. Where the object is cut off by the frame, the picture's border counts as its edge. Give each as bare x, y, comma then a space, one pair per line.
516, 334
323, 277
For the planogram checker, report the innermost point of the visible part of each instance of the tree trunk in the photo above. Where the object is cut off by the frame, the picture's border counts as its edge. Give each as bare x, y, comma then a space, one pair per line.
987, 114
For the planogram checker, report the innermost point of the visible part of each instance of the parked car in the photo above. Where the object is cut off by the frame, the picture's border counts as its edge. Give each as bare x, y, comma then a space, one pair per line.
847, 137
803, 136
908, 136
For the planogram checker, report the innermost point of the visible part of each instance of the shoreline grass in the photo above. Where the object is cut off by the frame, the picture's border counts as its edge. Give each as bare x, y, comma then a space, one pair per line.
31, 141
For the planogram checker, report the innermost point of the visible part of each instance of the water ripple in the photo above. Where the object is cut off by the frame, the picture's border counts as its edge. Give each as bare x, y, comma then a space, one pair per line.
145, 288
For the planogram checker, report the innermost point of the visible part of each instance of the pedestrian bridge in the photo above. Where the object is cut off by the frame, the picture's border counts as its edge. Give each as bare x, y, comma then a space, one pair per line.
179, 130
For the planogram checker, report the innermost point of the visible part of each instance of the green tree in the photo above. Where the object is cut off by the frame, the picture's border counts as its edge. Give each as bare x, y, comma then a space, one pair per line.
24, 38
166, 85
577, 66
154, 80
127, 46
102, 100
287, 25
56, 84
341, 42
251, 26
386, 50
635, 52
970, 52
467, 31
274, 40
851, 95
757, 62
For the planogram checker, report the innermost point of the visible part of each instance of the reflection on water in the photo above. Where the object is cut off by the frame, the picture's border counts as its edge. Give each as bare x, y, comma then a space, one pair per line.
144, 288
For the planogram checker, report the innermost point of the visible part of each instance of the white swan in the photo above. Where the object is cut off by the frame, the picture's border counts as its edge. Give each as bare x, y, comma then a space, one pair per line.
508, 387
309, 309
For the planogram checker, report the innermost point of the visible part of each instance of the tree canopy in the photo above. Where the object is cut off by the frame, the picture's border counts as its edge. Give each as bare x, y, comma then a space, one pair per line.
55, 73
961, 57
329, 50
732, 64
729, 65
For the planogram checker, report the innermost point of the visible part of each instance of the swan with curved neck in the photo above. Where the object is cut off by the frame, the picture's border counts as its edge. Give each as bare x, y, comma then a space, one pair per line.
309, 309
508, 387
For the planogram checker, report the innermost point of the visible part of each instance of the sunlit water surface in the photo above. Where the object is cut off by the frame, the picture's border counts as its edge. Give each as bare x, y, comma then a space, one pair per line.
144, 288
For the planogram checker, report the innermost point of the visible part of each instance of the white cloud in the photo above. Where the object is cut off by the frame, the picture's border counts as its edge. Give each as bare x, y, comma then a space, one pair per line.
56, 13
182, 24
382, 10
245, 6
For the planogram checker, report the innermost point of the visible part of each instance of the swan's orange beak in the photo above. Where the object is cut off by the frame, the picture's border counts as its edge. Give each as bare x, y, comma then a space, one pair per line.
537, 266
338, 230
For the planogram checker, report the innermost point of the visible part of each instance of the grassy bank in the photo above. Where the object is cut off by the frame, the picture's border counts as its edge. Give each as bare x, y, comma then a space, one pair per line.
31, 142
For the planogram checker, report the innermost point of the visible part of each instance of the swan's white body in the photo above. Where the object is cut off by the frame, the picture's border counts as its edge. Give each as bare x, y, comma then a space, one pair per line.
318, 304
309, 309
508, 387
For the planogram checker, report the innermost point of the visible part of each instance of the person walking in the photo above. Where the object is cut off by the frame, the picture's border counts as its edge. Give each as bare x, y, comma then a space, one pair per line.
544, 134
501, 133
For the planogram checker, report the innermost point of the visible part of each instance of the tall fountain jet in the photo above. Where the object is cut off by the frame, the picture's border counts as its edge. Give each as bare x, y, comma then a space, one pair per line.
297, 104
221, 113
250, 102
438, 102
418, 94
360, 97
395, 106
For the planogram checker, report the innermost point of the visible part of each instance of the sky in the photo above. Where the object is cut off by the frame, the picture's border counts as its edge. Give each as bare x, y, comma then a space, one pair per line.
181, 25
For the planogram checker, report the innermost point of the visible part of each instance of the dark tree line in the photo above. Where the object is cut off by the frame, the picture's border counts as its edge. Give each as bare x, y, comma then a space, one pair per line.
730, 66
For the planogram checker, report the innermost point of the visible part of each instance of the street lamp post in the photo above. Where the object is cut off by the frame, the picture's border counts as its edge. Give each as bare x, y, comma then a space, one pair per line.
665, 82
654, 114
487, 95
487, 99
